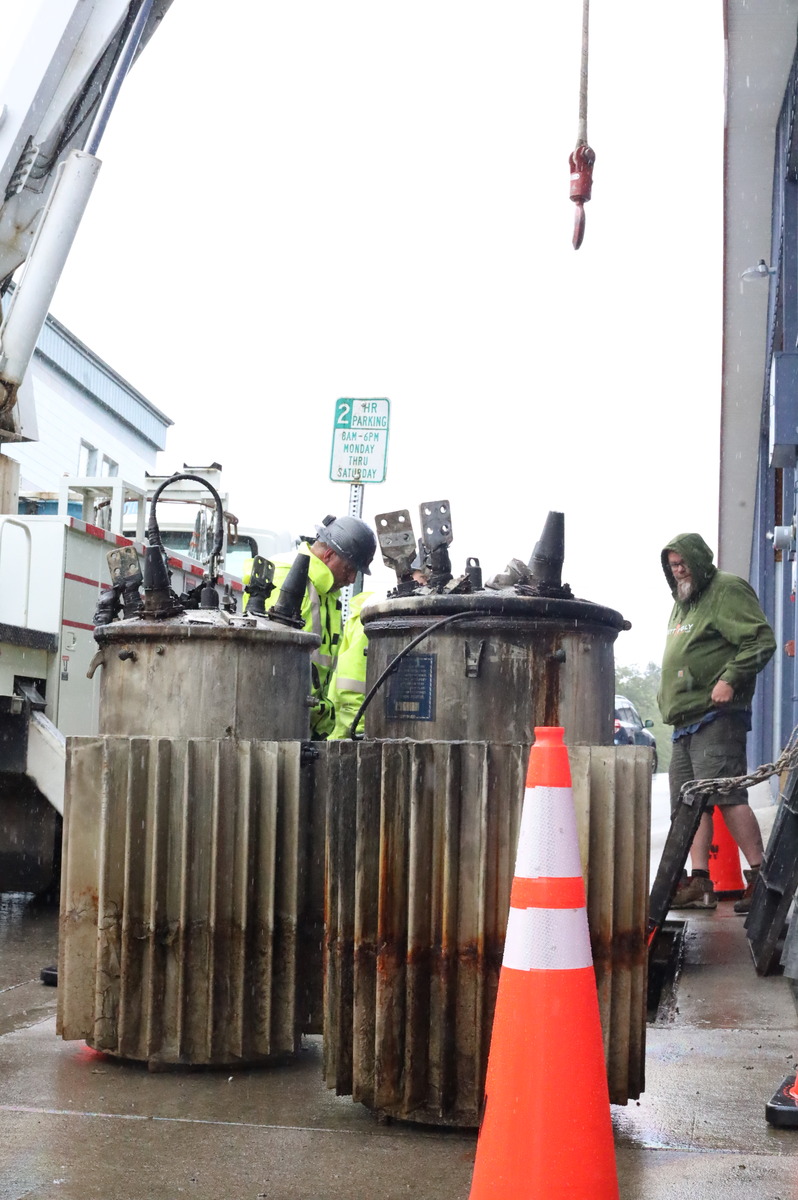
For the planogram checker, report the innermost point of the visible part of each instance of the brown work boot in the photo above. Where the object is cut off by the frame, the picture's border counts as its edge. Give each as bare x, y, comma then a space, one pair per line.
743, 905
697, 892
684, 879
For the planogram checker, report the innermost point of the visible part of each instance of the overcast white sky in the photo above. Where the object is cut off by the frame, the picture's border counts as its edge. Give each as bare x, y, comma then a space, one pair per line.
354, 198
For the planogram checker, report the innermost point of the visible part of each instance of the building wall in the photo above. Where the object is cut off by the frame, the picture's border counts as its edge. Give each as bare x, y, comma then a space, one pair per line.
67, 416
773, 565
91, 421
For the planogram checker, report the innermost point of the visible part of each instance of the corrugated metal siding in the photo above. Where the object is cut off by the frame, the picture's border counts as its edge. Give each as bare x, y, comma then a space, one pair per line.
420, 857
69, 356
184, 927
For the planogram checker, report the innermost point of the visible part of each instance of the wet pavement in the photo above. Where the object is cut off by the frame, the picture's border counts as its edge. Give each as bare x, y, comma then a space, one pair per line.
28, 942
79, 1125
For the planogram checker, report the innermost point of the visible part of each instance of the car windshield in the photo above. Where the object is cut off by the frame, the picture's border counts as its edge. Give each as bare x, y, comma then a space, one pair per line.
625, 711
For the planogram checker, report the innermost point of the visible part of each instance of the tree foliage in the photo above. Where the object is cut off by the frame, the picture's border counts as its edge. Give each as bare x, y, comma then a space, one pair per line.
641, 688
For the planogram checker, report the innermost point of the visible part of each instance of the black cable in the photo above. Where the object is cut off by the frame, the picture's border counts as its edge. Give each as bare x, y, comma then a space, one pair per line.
86, 103
389, 670
154, 533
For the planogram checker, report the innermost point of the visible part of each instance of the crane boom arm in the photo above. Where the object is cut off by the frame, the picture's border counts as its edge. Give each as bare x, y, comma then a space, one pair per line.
54, 105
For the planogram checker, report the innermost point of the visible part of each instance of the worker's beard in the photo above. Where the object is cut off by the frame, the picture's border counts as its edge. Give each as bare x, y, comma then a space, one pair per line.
684, 589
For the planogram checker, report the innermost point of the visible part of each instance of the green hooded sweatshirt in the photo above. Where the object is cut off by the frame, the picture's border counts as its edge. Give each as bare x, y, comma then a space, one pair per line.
720, 632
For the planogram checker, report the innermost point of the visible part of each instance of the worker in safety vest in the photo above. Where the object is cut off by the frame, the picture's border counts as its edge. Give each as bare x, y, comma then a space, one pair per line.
343, 547
348, 683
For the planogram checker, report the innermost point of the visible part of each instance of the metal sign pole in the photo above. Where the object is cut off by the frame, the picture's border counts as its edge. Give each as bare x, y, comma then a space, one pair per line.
356, 499
355, 510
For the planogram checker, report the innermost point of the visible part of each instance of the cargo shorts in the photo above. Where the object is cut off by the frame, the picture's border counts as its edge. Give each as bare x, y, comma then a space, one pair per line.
715, 751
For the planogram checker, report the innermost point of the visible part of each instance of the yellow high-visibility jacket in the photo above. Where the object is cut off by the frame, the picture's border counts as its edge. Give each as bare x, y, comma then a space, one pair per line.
348, 683
321, 614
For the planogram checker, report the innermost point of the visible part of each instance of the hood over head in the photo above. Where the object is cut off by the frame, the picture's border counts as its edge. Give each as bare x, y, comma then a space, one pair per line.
698, 556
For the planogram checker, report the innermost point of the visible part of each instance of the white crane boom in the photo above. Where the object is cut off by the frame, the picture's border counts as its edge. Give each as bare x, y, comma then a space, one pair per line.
54, 105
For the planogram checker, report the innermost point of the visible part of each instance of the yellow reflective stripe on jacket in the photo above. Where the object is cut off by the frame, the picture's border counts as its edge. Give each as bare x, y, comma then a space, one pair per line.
316, 626
348, 684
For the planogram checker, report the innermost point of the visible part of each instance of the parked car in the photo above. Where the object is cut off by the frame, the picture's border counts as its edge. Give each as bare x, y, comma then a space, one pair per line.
631, 729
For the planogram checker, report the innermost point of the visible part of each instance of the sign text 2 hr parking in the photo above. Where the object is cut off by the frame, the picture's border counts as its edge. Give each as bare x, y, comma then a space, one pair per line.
360, 441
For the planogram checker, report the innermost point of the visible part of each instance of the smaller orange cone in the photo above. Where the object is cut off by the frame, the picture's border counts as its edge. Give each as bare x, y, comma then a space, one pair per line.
546, 1128
724, 859
782, 1108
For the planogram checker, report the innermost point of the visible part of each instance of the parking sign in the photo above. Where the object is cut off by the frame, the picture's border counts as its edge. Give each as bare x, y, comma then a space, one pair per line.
360, 441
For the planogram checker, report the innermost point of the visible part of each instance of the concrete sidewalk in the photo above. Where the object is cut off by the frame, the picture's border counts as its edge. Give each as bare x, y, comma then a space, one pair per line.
80, 1126
712, 1063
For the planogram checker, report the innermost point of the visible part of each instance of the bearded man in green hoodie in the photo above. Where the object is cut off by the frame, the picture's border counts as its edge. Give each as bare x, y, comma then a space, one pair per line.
718, 642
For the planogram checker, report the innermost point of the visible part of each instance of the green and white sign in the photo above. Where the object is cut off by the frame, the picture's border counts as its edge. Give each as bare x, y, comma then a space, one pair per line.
360, 441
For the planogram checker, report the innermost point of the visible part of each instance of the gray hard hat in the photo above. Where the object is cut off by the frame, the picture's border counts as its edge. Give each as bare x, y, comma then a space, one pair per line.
351, 538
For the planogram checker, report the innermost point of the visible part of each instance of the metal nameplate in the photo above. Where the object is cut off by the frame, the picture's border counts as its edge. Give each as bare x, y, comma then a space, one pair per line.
411, 690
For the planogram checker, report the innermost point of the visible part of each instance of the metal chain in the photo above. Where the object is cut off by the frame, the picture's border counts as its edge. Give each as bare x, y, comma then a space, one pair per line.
787, 761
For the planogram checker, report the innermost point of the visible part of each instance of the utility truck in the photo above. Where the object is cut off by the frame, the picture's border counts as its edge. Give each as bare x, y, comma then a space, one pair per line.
54, 106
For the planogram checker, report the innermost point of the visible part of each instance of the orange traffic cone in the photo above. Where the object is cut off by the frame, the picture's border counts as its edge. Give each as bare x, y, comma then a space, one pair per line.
546, 1128
724, 859
782, 1108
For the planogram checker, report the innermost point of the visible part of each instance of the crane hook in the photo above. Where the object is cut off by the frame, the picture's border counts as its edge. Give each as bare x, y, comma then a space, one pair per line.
581, 163
579, 224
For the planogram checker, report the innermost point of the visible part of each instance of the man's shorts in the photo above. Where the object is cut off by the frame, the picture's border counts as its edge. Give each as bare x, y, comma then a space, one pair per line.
715, 751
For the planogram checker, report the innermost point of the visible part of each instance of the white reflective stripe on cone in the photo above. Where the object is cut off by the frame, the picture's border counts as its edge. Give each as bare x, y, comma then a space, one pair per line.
547, 939
548, 842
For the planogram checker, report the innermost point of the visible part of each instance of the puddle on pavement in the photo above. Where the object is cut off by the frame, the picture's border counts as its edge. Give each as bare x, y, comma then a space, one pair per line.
28, 937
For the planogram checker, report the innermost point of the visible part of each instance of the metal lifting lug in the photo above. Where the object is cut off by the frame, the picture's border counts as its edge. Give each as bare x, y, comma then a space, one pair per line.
473, 657
474, 572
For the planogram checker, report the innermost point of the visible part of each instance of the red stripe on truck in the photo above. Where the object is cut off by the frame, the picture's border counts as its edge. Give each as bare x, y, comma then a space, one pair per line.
81, 579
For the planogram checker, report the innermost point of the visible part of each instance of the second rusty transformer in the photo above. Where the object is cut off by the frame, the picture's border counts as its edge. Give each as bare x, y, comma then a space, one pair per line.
494, 661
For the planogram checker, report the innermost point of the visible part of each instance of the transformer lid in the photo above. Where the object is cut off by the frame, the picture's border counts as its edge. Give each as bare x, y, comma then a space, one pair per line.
495, 605
205, 624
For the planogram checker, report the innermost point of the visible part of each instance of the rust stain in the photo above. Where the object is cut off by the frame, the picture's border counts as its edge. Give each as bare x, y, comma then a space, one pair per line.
390, 959
623, 948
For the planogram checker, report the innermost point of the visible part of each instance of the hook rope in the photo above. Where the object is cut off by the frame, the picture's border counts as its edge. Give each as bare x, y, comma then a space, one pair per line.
582, 160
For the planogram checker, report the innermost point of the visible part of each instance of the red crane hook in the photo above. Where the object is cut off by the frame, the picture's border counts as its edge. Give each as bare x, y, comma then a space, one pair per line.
581, 163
